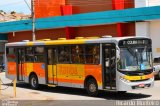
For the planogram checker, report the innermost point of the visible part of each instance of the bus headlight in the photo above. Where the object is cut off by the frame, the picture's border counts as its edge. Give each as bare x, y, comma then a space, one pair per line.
122, 78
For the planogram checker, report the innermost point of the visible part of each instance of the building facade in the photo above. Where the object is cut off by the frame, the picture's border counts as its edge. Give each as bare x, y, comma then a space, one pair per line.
149, 28
53, 8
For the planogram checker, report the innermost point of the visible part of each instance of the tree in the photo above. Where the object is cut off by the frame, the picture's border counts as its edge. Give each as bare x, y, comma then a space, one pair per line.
2, 12
13, 12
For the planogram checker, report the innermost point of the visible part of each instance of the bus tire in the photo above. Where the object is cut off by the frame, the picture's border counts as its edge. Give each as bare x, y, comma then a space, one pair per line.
33, 81
91, 87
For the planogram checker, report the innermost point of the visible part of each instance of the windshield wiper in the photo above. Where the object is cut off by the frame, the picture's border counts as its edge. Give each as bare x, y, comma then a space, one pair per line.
130, 51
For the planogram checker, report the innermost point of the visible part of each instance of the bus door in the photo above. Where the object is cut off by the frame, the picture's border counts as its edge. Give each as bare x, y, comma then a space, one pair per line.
109, 66
20, 63
52, 65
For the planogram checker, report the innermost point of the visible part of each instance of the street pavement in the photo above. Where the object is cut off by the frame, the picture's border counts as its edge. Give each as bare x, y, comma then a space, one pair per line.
24, 92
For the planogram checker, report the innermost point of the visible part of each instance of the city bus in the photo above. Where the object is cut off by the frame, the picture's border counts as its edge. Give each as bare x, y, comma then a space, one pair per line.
116, 64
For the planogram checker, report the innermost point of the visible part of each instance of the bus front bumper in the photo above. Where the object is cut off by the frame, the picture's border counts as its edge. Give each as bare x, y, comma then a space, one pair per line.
127, 85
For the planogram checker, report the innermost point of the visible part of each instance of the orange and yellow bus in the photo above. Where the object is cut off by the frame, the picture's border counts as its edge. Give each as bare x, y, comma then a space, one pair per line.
113, 64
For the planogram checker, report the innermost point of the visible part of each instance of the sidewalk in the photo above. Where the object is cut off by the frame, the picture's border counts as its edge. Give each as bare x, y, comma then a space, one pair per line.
3, 95
22, 93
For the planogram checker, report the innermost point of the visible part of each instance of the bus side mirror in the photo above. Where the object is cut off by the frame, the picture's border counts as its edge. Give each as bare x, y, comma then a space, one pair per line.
118, 53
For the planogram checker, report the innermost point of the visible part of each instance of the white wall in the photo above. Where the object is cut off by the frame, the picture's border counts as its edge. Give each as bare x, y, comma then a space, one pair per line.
146, 3
149, 29
142, 29
141, 3
153, 2
155, 36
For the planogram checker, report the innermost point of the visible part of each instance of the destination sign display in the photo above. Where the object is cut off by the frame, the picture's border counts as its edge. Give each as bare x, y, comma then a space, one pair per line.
133, 42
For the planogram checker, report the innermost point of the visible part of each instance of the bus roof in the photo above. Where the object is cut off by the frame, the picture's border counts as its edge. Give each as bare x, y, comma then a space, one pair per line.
72, 41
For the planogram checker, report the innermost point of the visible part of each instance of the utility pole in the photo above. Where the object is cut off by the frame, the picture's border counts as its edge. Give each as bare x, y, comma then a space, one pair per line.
33, 19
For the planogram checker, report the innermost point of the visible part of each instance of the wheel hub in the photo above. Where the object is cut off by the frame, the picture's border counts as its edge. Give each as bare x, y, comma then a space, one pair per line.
92, 87
33, 82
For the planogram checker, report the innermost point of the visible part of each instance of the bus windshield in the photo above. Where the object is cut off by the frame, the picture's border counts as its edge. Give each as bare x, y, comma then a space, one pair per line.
135, 59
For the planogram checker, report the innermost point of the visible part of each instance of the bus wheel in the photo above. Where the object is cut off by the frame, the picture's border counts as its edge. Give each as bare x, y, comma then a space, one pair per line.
33, 82
91, 87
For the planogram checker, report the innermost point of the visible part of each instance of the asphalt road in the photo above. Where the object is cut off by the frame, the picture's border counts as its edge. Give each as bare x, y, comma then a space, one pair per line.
63, 95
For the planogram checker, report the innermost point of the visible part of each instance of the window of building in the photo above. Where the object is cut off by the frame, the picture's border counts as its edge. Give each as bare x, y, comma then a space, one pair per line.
77, 54
64, 54
11, 55
92, 54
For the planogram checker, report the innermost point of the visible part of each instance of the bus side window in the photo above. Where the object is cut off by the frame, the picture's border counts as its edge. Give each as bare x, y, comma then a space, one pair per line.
29, 54
39, 54
64, 54
96, 52
77, 54
92, 54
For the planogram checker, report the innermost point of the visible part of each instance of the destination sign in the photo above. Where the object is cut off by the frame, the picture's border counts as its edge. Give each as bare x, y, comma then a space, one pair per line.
136, 42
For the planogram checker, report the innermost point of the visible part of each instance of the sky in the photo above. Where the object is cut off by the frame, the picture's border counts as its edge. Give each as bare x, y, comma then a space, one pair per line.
15, 5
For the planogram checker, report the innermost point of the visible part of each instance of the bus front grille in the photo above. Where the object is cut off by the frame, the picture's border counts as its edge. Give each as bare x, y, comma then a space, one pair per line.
139, 80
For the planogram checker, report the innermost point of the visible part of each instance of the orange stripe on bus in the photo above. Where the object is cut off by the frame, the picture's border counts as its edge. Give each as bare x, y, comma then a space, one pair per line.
39, 69
67, 80
95, 71
22, 69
